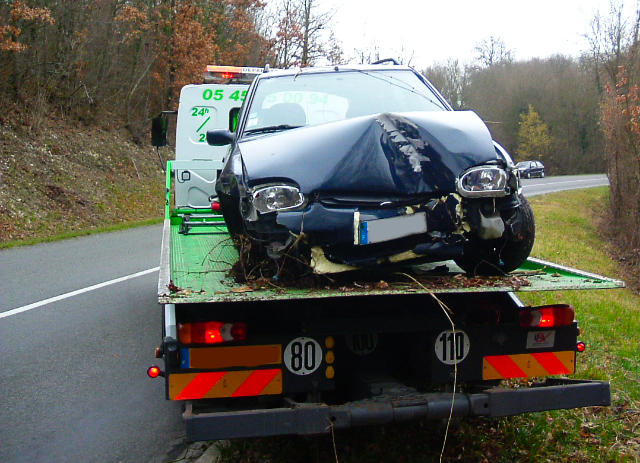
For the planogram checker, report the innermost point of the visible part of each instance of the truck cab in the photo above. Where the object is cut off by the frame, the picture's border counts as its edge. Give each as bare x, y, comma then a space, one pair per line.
214, 104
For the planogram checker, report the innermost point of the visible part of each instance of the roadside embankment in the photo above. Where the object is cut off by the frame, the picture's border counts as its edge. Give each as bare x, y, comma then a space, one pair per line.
73, 179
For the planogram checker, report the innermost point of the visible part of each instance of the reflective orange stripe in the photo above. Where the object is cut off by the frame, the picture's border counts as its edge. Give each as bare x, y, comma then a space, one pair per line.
528, 365
255, 383
216, 384
200, 385
229, 383
505, 366
551, 363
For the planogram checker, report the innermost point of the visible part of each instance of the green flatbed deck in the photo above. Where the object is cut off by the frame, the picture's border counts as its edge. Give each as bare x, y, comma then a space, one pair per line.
194, 269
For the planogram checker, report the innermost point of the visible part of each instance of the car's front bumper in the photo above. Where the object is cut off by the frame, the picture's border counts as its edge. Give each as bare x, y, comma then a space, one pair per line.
335, 229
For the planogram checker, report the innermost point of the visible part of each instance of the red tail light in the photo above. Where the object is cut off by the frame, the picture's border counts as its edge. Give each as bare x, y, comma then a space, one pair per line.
153, 371
211, 332
239, 331
581, 346
215, 206
547, 316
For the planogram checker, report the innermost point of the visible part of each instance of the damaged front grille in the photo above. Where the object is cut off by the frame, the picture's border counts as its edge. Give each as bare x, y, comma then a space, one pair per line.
368, 201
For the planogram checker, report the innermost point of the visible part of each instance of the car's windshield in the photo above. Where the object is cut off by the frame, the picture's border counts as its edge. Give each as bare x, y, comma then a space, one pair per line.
285, 102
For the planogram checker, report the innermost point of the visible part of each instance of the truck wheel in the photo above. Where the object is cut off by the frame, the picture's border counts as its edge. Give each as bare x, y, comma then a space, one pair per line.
497, 257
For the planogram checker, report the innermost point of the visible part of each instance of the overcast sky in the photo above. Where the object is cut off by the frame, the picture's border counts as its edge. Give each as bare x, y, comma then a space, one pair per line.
437, 30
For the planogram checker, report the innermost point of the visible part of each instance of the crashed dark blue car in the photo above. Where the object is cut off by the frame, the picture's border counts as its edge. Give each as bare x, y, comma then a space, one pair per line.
365, 166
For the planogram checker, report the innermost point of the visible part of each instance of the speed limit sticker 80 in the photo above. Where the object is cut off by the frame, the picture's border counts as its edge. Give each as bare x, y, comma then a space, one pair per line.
452, 346
303, 356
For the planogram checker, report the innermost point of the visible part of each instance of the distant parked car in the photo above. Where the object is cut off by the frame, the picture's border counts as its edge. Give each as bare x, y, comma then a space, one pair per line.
530, 169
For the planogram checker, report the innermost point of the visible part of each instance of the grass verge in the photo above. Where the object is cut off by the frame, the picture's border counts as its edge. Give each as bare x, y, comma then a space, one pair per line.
567, 233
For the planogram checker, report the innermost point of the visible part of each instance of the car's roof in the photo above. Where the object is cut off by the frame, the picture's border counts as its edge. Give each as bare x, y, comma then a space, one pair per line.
337, 68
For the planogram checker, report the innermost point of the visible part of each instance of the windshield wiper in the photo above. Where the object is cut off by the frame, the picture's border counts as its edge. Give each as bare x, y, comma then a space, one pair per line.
271, 128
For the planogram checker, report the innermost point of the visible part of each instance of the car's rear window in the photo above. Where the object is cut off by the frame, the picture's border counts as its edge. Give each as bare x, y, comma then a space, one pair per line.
312, 99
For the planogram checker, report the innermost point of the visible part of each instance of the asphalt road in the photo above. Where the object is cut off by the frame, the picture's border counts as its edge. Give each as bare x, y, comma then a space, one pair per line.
539, 186
78, 325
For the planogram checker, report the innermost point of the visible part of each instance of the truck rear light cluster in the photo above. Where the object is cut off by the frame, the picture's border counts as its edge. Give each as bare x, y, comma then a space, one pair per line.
238, 331
211, 332
547, 316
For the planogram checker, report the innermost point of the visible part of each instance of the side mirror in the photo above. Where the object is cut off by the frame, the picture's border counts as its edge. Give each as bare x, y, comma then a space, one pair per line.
219, 137
234, 116
159, 131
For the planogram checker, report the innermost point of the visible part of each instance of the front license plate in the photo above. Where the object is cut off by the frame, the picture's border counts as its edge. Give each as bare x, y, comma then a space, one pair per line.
380, 230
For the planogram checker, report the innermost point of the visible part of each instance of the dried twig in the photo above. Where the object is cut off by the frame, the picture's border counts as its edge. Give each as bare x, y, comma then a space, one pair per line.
219, 243
447, 312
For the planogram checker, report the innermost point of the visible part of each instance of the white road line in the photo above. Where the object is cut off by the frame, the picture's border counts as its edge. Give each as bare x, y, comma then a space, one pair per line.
563, 183
35, 305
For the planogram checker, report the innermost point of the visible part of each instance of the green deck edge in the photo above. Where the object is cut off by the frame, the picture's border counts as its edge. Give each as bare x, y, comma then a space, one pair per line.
167, 192
198, 265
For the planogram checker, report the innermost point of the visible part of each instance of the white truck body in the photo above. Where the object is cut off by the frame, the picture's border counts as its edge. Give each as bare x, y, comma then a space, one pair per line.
204, 107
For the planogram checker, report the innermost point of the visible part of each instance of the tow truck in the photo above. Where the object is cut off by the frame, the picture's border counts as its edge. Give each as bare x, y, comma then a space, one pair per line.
425, 342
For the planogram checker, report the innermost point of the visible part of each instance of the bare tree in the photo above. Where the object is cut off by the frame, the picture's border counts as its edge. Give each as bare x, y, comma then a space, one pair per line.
451, 79
299, 35
335, 54
614, 52
493, 51
313, 23
610, 37
288, 35
367, 55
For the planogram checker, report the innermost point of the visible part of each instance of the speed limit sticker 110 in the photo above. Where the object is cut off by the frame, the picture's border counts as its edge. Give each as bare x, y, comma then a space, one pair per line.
302, 356
452, 346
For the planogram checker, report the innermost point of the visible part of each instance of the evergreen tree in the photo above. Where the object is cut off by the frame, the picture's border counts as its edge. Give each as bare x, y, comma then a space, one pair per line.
534, 141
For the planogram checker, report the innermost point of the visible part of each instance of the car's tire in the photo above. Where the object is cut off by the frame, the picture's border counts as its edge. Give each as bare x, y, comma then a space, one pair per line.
542, 175
230, 211
528, 174
497, 257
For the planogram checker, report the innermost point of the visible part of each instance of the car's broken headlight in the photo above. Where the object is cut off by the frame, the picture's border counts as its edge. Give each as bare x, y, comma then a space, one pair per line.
486, 181
276, 198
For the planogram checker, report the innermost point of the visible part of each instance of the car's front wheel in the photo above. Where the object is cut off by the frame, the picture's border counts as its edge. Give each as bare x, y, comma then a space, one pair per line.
497, 257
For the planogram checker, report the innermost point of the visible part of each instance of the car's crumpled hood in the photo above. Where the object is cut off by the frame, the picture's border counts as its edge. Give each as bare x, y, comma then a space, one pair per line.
395, 154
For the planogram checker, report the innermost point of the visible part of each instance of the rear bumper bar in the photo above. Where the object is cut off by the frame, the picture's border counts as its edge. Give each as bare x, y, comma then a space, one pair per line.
317, 418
